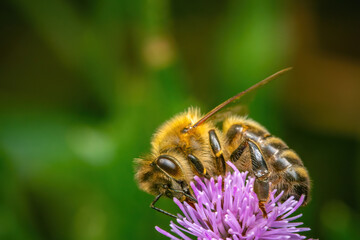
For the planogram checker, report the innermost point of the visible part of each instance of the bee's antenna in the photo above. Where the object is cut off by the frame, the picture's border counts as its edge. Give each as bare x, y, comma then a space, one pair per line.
237, 96
152, 205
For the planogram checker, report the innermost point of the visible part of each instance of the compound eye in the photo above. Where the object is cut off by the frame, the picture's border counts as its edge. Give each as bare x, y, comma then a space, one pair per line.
168, 165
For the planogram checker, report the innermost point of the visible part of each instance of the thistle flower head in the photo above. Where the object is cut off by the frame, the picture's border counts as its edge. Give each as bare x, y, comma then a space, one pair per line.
227, 208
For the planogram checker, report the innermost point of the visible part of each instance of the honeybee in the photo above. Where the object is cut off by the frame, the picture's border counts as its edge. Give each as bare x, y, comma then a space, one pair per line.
190, 144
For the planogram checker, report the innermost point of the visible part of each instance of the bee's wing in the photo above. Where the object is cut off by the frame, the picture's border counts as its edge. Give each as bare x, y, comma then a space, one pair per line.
235, 109
236, 97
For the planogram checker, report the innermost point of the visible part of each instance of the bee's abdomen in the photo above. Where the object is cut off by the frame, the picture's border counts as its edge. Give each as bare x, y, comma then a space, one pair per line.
287, 172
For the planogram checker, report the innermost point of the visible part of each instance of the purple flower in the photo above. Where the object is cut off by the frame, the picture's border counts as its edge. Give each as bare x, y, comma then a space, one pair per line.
228, 209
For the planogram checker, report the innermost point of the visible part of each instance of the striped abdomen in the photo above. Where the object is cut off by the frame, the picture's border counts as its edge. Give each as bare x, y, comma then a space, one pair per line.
287, 172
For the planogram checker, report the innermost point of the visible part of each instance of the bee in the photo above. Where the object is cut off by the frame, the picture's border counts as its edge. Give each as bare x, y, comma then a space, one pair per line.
190, 144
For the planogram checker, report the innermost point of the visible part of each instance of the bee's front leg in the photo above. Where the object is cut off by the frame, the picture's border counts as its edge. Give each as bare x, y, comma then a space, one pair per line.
216, 148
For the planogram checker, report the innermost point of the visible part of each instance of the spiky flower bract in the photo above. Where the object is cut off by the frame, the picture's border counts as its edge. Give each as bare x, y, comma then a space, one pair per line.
228, 208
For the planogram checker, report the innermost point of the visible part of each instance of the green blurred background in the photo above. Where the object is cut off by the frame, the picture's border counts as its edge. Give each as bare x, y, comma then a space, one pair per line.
85, 83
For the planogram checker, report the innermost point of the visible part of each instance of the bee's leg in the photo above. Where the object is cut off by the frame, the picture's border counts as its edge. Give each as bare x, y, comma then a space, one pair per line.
238, 151
261, 188
216, 148
198, 166
152, 205
261, 172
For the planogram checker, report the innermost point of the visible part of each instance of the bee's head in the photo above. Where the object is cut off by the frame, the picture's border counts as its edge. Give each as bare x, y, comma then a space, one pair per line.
162, 175
168, 170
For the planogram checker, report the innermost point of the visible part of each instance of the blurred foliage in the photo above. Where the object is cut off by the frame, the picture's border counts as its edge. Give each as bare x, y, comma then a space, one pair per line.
84, 84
